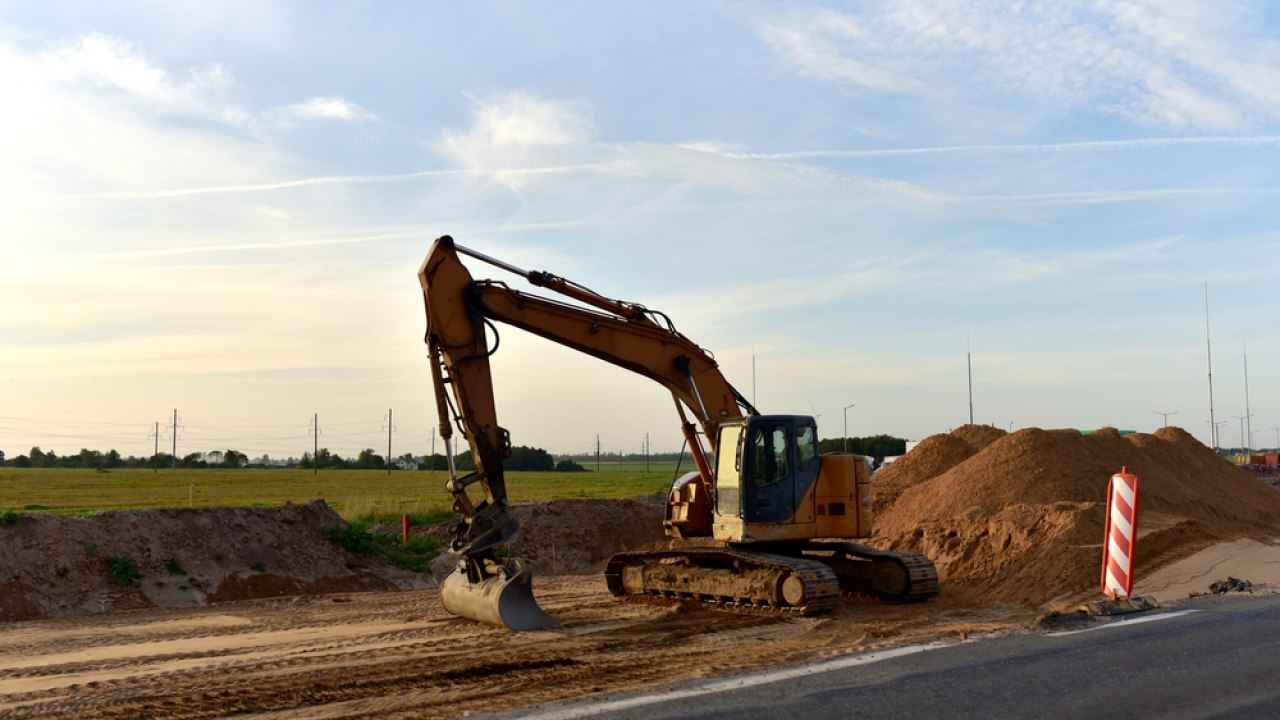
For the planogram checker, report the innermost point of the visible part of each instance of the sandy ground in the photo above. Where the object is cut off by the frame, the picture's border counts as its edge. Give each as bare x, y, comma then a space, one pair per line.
398, 654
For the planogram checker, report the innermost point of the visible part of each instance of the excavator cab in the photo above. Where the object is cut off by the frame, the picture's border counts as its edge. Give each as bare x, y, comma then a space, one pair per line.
765, 471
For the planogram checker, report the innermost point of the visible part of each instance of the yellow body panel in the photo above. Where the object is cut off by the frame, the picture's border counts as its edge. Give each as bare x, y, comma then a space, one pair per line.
837, 505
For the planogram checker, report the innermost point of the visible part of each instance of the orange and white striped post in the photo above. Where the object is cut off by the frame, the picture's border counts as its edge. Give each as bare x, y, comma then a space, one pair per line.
1122, 535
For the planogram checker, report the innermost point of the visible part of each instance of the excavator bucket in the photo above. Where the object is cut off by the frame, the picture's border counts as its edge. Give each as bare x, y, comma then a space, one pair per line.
502, 599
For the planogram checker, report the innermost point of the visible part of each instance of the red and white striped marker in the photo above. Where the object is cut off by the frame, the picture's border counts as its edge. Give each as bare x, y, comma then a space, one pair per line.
1122, 535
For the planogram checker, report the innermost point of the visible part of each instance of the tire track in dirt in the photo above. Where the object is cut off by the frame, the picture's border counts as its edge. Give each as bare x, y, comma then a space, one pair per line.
392, 655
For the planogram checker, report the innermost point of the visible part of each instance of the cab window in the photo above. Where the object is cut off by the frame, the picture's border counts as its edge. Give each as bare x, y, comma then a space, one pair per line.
771, 454
806, 446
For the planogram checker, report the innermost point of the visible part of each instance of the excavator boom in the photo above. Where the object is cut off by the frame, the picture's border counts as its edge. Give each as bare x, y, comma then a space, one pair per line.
459, 309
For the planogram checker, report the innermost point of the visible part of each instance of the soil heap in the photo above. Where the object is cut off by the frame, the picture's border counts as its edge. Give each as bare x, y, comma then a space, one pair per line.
570, 537
1020, 517
53, 566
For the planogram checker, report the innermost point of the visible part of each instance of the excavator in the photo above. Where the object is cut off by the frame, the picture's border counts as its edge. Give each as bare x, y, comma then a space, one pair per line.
780, 515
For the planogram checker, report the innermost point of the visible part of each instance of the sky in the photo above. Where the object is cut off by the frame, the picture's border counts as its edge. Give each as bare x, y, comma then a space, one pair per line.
219, 209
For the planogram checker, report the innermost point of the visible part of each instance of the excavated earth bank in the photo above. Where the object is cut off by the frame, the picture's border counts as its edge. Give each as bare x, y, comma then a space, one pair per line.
1019, 517
54, 566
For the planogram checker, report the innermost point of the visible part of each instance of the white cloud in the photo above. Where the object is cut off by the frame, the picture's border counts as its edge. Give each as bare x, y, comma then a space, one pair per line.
1158, 64
103, 62
520, 130
321, 108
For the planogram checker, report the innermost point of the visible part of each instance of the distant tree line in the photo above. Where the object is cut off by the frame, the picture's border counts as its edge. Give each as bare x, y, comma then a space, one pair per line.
877, 447
522, 458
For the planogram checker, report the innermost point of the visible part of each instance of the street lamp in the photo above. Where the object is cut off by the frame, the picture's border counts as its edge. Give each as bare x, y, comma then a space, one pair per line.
1166, 415
846, 427
1242, 418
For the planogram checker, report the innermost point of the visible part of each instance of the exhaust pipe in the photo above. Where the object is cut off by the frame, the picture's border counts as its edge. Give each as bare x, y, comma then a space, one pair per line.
504, 599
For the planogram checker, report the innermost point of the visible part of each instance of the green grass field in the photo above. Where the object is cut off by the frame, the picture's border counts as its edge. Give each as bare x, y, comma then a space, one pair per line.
358, 495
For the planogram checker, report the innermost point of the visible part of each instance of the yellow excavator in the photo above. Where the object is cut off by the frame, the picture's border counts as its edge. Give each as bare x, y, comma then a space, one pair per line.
782, 512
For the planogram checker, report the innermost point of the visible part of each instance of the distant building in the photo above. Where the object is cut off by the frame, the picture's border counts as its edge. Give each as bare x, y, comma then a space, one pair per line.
406, 463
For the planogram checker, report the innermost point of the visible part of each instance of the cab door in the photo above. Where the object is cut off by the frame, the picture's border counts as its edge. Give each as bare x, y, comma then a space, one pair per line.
768, 486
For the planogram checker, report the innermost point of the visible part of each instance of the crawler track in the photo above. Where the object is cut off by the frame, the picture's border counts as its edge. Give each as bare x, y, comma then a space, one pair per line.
885, 574
729, 578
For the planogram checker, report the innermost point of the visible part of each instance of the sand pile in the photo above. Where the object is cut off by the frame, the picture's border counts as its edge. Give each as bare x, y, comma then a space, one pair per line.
572, 537
53, 566
1020, 517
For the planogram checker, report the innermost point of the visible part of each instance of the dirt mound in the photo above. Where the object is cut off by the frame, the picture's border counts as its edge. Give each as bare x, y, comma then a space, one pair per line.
933, 456
1020, 517
57, 566
572, 537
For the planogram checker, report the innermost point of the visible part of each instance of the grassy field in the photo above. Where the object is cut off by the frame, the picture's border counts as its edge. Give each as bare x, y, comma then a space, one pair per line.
358, 495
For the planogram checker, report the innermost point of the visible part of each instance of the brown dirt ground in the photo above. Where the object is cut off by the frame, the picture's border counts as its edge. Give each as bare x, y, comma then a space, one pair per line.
1013, 521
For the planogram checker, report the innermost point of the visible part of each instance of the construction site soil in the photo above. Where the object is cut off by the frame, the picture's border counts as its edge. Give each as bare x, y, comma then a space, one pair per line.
1013, 521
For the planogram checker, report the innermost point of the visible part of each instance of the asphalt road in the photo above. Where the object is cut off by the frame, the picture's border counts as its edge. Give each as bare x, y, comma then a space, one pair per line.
1212, 657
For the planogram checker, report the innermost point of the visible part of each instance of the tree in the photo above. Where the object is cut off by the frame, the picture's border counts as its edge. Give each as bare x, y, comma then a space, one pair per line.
234, 459
434, 462
465, 461
163, 459
22, 461
569, 466
36, 456
875, 446
1, 458
369, 459
529, 458
113, 459
193, 460
89, 458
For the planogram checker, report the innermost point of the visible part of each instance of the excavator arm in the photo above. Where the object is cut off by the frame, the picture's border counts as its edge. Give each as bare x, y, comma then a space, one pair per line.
628, 335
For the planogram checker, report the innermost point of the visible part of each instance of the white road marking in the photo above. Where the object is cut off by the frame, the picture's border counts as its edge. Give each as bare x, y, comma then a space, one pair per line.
735, 683
1119, 623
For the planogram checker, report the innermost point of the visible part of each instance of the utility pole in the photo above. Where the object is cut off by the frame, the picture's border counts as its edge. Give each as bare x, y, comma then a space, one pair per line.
1209, 352
1277, 429
1247, 414
1241, 418
431, 461
597, 452
968, 355
846, 427
155, 462
1217, 425
174, 428
389, 428
315, 444
646, 452
1165, 415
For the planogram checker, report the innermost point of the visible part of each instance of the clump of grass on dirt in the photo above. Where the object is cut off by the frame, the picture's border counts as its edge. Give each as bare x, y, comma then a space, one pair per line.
415, 556
123, 569
352, 537
10, 518
174, 567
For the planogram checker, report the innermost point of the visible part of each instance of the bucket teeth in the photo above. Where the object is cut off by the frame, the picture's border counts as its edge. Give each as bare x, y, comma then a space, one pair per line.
504, 599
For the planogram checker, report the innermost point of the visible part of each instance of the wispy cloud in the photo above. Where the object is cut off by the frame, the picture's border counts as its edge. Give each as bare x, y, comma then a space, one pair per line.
1157, 64
1120, 196
106, 63
319, 109
1027, 148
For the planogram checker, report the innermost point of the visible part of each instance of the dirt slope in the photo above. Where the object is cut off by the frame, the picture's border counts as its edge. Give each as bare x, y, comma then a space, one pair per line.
1020, 517
53, 566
